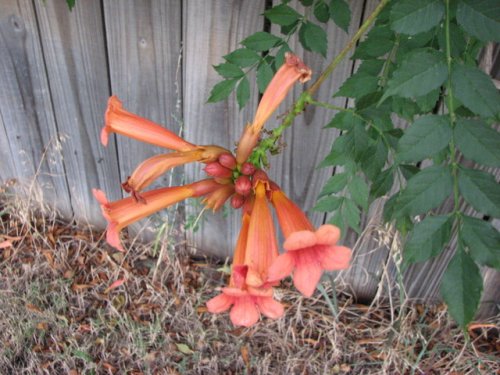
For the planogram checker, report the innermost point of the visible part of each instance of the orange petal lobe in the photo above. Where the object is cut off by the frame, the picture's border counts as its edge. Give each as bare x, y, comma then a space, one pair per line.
220, 303
327, 234
282, 267
269, 307
333, 258
299, 240
307, 274
244, 312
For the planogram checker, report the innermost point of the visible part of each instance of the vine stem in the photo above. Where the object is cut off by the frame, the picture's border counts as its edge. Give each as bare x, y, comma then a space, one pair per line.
451, 113
306, 97
336, 61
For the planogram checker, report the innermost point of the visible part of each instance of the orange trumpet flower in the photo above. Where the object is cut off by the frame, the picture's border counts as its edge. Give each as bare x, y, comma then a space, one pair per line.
308, 252
124, 212
247, 302
120, 121
291, 71
150, 169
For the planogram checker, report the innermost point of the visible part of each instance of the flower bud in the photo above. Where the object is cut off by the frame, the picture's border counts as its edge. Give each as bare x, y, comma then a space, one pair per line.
248, 169
243, 185
227, 160
260, 175
214, 169
237, 201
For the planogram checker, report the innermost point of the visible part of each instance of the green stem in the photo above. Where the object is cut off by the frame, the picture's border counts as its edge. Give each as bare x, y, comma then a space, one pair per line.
330, 68
269, 144
451, 113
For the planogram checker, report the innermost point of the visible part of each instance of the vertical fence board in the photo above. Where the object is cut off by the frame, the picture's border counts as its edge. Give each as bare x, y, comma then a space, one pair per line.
144, 47
213, 29
30, 142
75, 56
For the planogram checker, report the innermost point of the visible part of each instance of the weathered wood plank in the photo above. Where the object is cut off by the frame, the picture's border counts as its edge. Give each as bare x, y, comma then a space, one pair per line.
75, 55
213, 29
144, 47
30, 141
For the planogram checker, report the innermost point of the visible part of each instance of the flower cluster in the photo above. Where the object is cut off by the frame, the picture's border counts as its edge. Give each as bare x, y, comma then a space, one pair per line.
257, 265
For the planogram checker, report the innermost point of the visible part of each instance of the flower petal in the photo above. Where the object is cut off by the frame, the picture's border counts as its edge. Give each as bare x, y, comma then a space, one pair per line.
235, 292
281, 267
307, 273
113, 237
327, 234
269, 307
299, 240
220, 303
244, 312
334, 258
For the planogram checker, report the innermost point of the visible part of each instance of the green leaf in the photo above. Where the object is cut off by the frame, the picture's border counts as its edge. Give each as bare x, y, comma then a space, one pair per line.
425, 137
480, 190
412, 17
352, 214
280, 55
359, 191
71, 4
321, 12
475, 90
243, 92
340, 152
228, 70
428, 238
461, 287
427, 102
457, 40
328, 204
282, 15
306, 3
360, 140
358, 85
480, 18
382, 183
261, 41
371, 67
184, 349
378, 42
408, 170
374, 158
482, 240
404, 108
264, 75
242, 57
335, 184
340, 14
419, 74
313, 38
345, 120
426, 190
478, 141
222, 90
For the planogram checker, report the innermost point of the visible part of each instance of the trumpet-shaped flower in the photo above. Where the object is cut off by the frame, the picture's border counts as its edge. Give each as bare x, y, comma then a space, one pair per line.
120, 121
124, 212
216, 199
246, 302
308, 251
262, 248
152, 168
291, 71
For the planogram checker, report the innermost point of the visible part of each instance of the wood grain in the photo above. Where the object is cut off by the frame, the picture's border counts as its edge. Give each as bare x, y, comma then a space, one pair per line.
75, 56
144, 49
30, 140
213, 29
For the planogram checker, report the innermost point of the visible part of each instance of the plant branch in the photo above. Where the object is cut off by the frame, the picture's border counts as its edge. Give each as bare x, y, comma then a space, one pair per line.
269, 144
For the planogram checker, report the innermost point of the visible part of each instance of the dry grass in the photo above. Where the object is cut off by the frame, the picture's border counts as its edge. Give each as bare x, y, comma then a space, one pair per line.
59, 316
